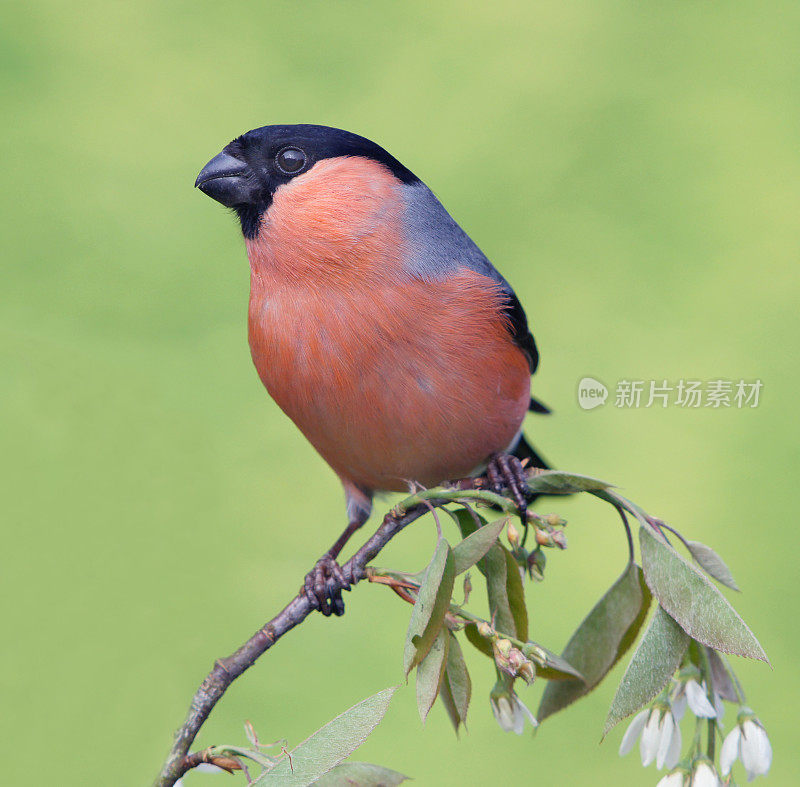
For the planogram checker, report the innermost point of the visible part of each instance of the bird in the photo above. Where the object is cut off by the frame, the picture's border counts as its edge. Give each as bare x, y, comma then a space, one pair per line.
375, 322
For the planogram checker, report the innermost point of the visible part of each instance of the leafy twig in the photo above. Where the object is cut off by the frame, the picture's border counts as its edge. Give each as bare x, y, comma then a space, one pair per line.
226, 670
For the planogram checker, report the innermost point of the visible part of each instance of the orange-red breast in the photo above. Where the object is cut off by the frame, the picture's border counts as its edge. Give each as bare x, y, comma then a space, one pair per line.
375, 322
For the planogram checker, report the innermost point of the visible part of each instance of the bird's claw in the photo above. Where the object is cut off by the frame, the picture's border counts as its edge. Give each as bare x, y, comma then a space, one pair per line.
323, 586
505, 471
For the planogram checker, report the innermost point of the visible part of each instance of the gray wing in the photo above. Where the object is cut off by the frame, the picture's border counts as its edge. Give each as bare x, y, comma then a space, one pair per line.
436, 245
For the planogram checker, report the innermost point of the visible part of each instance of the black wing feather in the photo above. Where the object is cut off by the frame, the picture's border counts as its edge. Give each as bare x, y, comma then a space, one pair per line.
520, 332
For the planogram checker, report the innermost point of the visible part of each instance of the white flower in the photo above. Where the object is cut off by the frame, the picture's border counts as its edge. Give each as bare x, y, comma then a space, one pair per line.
730, 750
633, 732
679, 704
669, 746
755, 749
651, 737
704, 775
510, 710
674, 779
698, 700
660, 741
749, 742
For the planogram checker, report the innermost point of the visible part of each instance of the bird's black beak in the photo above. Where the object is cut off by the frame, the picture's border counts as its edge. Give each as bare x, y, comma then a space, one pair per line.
227, 180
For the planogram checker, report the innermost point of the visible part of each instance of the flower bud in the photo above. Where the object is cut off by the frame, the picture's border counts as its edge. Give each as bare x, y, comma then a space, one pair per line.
527, 671
513, 535
533, 651
513, 661
502, 650
485, 630
543, 538
467, 587
559, 539
504, 646
536, 564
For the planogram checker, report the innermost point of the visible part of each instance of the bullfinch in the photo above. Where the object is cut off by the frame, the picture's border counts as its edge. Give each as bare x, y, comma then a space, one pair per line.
375, 322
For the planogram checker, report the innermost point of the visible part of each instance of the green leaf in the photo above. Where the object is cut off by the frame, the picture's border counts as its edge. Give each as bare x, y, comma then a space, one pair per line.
654, 662
433, 599
497, 589
721, 680
693, 601
550, 666
712, 563
506, 593
360, 774
466, 521
477, 641
329, 745
516, 596
430, 673
477, 544
457, 681
633, 632
446, 698
600, 640
554, 482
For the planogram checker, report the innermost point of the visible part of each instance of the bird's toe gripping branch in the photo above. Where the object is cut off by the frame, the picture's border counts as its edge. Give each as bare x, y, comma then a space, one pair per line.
505, 471
325, 582
323, 586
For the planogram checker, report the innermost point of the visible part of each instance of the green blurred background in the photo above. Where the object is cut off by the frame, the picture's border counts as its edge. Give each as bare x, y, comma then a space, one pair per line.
633, 169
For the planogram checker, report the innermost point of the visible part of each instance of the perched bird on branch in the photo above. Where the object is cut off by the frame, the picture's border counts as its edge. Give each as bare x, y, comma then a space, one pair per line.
375, 322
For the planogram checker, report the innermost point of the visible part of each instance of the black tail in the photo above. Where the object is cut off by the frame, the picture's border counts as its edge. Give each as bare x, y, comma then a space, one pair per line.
539, 407
524, 450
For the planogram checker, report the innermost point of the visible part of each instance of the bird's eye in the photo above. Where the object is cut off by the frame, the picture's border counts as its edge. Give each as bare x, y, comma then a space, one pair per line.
290, 160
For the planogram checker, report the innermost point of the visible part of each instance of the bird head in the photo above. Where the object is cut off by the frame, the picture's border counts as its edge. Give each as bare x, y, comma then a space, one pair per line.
249, 171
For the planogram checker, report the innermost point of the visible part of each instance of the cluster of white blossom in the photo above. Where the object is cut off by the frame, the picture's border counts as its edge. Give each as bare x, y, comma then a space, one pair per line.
509, 710
659, 734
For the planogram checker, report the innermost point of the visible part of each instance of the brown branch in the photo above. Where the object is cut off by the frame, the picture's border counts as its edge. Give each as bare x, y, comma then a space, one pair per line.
196, 758
398, 587
226, 670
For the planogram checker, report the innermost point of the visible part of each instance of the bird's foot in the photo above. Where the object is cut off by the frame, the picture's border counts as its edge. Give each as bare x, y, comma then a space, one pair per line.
323, 586
507, 472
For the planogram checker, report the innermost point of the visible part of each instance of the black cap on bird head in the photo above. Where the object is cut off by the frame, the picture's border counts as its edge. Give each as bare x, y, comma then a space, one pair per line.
245, 175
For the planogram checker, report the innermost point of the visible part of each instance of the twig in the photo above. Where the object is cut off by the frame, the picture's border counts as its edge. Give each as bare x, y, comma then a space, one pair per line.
621, 512
226, 670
